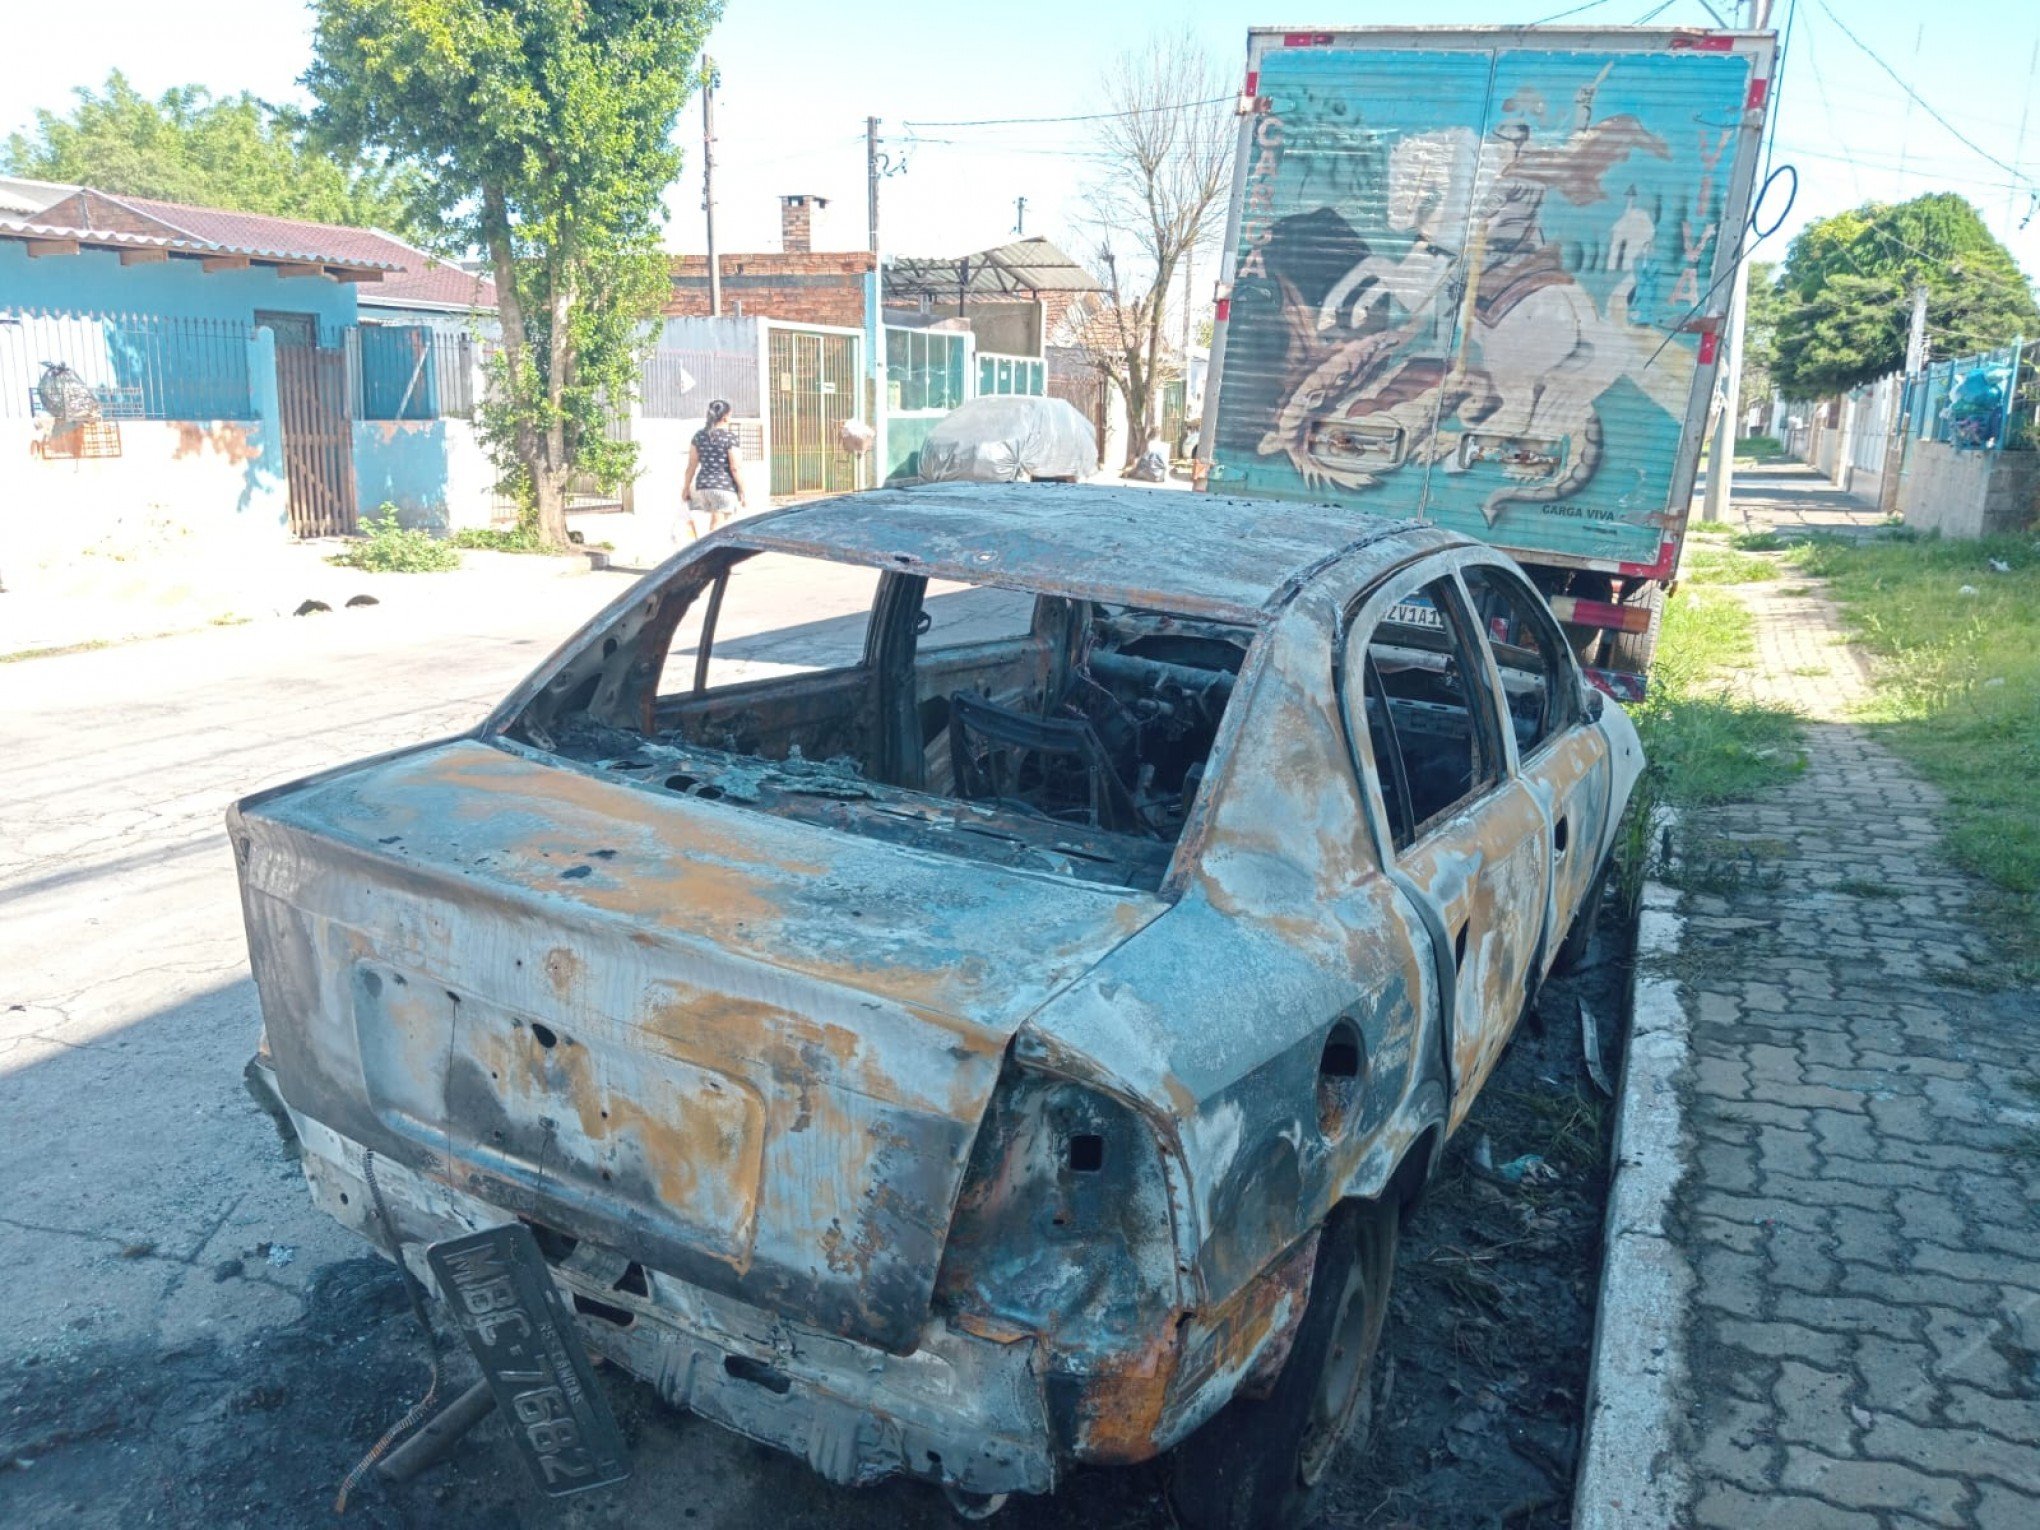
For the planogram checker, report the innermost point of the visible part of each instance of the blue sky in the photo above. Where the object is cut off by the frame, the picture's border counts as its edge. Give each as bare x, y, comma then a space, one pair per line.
800, 76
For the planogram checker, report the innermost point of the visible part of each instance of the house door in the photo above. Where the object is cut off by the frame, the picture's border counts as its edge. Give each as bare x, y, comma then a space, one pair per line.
814, 385
318, 439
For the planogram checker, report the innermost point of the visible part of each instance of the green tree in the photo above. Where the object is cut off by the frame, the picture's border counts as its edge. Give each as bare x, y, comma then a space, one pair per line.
1766, 305
1845, 295
187, 146
543, 129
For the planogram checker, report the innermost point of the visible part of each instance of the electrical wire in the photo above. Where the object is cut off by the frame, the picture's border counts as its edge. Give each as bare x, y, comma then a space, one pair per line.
1139, 111
1545, 21
1652, 14
1926, 105
1777, 87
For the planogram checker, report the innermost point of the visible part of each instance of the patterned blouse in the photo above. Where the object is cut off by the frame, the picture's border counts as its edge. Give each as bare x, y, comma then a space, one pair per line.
713, 447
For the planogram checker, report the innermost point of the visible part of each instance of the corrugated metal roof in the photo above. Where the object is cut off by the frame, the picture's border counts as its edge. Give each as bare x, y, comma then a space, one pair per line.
410, 276
22, 198
1019, 269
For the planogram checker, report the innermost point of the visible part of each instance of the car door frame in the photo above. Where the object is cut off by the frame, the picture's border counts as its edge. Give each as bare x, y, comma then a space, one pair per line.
1358, 619
1538, 770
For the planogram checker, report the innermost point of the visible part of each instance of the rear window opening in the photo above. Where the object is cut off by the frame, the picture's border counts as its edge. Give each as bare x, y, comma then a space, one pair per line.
1030, 730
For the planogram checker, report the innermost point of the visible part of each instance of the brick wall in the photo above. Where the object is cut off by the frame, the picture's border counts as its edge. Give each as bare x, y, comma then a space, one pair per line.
823, 287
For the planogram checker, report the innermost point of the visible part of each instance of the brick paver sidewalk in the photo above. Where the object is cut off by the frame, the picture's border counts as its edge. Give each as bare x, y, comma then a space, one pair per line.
1860, 1211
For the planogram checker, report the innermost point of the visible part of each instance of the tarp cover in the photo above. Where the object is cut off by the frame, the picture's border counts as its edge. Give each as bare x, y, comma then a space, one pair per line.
1000, 439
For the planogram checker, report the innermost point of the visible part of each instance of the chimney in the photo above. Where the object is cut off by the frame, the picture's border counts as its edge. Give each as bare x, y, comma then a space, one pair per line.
796, 223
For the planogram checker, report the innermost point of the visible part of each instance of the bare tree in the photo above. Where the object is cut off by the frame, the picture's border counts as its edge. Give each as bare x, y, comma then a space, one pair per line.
1166, 151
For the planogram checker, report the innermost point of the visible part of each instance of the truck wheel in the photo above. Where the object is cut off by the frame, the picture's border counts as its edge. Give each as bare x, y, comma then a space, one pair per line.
1262, 1462
1629, 653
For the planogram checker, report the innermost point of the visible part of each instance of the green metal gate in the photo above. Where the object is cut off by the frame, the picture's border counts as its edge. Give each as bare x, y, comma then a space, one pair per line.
814, 382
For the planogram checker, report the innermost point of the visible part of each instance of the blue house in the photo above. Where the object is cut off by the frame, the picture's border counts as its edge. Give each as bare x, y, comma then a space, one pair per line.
327, 363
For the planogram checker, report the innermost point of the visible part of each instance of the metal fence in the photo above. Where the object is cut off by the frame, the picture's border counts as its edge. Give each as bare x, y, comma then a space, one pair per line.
137, 366
1010, 374
1983, 402
409, 372
679, 382
1874, 417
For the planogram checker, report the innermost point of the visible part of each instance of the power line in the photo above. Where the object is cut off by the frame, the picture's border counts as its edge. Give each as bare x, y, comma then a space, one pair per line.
1835, 133
1139, 111
1545, 21
1922, 102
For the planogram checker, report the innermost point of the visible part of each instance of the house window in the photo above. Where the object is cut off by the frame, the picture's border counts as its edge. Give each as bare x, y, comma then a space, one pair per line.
923, 370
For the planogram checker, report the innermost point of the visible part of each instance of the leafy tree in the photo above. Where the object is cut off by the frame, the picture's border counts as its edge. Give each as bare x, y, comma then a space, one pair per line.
186, 146
1766, 305
1167, 166
543, 131
1845, 293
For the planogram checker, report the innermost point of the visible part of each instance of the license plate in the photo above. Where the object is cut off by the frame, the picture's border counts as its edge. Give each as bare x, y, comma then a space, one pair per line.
1414, 614
523, 1338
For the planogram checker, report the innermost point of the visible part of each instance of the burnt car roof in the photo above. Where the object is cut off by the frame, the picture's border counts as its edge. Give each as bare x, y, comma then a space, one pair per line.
1197, 554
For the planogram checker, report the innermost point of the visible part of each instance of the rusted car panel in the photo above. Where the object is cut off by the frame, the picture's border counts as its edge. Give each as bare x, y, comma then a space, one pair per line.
779, 1052
909, 1130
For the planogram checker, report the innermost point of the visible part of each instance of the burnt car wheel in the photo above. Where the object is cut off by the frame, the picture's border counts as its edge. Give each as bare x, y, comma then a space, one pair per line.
1260, 1464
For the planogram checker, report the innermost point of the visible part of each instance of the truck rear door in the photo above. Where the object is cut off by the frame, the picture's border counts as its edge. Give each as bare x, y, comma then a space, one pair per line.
1479, 281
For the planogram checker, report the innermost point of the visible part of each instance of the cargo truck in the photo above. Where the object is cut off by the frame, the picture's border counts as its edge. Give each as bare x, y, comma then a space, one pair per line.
1480, 276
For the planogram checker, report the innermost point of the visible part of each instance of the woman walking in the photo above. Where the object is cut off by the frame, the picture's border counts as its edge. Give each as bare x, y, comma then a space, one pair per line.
714, 490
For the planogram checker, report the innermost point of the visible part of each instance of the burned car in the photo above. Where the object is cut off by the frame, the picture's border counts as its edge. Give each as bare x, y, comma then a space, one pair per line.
958, 983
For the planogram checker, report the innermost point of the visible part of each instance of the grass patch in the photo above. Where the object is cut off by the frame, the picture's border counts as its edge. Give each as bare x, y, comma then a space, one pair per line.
1957, 694
1704, 739
1759, 451
521, 538
1713, 565
389, 548
21, 655
1758, 542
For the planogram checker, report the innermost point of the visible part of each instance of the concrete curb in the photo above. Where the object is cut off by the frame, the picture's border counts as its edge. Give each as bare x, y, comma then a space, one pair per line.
1630, 1470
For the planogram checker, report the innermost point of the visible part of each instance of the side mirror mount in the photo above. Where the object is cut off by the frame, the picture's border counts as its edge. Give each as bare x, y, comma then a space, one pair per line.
1596, 700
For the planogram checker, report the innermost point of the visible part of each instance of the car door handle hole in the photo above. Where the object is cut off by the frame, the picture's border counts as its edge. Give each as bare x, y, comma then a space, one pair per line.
1561, 835
1459, 947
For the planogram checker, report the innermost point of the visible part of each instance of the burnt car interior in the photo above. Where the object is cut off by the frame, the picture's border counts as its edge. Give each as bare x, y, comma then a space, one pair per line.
1029, 730
1428, 722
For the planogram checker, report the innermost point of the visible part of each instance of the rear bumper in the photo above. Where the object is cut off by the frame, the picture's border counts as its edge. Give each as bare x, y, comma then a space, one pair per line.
959, 1409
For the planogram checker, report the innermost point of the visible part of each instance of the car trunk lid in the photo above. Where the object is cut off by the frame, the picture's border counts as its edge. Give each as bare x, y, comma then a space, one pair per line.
750, 1052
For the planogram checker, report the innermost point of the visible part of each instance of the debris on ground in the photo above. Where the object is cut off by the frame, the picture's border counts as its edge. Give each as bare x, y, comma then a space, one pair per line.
1478, 1400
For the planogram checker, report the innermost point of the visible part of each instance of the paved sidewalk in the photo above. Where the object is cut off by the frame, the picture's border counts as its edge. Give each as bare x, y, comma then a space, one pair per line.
1792, 497
1860, 1211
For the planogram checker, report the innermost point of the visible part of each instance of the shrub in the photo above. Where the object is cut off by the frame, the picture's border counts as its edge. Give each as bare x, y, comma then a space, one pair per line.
389, 548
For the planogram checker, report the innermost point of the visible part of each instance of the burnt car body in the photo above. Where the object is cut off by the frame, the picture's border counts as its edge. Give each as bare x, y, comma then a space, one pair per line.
947, 1057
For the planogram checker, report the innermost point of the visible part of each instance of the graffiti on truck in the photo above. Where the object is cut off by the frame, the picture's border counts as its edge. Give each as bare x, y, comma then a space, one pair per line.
1478, 321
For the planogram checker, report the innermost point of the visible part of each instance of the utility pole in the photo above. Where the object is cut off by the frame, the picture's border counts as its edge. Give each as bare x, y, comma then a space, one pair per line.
709, 78
1916, 337
1721, 460
1901, 417
1020, 217
871, 177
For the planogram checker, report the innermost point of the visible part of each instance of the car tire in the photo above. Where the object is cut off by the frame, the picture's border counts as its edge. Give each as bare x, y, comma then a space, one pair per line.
1572, 951
1262, 1463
